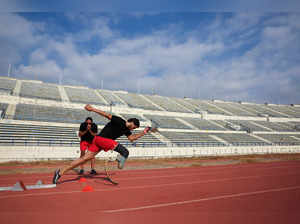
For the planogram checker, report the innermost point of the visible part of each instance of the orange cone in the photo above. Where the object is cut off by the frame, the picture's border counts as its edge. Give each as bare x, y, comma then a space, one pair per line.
87, 188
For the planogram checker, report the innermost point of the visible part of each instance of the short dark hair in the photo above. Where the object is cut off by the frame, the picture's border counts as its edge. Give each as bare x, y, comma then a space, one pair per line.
135, 121
89, 118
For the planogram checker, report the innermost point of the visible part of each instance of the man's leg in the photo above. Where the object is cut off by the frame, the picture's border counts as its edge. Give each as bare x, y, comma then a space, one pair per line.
58, 173
93, 171
83, 147
88, 156
82, 153
122, 157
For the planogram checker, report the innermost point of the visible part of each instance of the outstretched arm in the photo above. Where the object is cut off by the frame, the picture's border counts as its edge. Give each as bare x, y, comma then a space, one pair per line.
89, 107
134, 137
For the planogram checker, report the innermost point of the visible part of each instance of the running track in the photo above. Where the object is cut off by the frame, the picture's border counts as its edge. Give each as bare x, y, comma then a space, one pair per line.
247, 193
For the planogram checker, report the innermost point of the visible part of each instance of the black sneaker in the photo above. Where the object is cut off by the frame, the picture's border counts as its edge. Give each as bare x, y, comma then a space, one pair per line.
93, 172
81, 172
56, 177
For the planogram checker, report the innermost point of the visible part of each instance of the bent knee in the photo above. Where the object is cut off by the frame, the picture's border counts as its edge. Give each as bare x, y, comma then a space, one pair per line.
122, 150
88, 156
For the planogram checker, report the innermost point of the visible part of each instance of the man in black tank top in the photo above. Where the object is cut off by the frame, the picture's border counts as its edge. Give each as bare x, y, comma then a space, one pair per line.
118, 127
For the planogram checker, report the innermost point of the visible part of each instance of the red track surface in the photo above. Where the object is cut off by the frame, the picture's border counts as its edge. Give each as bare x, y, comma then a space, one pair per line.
248, 193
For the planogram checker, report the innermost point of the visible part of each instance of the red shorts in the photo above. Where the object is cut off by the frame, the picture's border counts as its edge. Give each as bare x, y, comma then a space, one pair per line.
100, 143
84, 145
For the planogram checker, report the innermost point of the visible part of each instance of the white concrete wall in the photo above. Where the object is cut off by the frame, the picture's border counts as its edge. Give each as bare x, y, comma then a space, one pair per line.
33, 153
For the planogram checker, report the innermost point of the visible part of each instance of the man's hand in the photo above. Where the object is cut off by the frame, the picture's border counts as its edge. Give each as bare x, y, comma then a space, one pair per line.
147, 129
88, 107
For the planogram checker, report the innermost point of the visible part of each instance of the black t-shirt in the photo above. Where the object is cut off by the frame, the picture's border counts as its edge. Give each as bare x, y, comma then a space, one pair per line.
88, 136
115, 128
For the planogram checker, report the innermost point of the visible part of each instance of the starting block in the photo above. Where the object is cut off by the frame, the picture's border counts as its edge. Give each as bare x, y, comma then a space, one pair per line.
20, 186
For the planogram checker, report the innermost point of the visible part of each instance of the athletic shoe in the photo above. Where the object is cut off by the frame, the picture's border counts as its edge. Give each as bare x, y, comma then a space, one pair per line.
121, 161
56, 176
93, 172
81, 172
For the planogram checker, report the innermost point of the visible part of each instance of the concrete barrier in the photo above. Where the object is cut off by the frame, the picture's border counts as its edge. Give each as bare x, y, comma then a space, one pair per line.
35, 153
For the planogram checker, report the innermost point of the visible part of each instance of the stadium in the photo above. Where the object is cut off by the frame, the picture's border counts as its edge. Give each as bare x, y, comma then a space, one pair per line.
198, 120
39, 121
38, 116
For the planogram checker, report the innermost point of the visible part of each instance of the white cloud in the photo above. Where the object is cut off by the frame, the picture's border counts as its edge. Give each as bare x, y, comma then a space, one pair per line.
173, 65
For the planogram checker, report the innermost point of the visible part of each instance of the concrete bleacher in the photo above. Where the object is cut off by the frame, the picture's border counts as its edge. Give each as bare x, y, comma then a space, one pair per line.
83, 95
282, 139
148, 140
37, 135
167, 122
22, 134
40, 91
277, 126
288, 110
167, 104
296, 109
182, 126
233, 108
240, 139
222, 123
184, 102
191, 139
206, 106
136, 101
128, 116
295, 125
203, 124
80, 115
7, 85
55, 114
261, 110
110, 97
249, 124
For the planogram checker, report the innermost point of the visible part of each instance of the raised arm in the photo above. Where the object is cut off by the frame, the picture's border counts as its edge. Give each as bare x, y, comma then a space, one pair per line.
89, 107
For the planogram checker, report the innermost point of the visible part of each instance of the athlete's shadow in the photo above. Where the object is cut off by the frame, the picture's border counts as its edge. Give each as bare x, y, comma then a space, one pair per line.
99, 176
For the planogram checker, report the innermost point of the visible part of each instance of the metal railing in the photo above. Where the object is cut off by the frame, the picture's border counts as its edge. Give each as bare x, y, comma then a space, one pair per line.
75, 143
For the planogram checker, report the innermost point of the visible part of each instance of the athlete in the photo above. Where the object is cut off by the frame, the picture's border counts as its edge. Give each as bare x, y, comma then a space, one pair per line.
87, 131
117, 126
106, 140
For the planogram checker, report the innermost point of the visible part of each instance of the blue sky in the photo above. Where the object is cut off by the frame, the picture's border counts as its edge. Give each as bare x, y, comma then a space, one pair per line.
141, 6
248, 56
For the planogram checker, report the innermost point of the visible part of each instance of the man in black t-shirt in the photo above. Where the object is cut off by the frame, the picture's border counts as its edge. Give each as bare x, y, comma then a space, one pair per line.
118, 127
87, 131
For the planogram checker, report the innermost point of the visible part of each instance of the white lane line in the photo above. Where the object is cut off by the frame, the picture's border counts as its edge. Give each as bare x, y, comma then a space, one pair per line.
201, 200
148, 186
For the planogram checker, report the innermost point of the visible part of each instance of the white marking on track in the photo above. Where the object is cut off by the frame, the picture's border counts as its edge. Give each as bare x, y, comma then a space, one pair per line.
201, 200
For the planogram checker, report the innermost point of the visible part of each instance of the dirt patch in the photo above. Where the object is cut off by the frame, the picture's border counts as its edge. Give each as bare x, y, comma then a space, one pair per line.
50, 166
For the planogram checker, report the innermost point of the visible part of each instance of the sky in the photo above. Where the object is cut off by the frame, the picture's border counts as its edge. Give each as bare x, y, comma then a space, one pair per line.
217, 53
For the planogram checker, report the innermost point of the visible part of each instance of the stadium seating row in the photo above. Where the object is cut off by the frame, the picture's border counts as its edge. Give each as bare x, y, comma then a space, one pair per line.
22, 134
69, 115
48, 91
